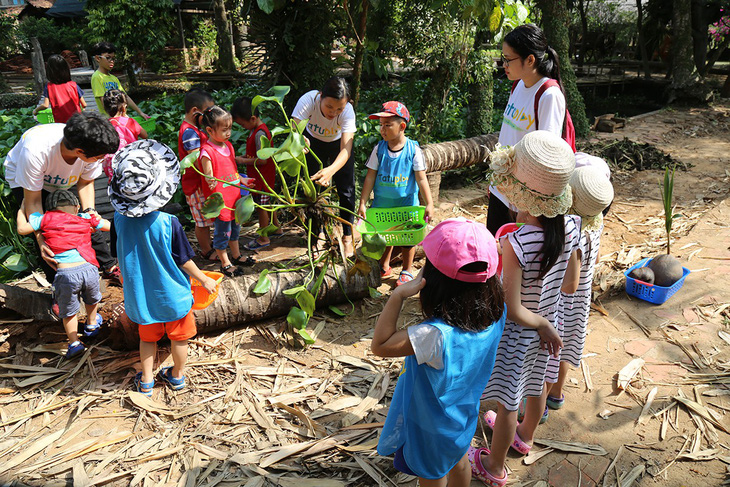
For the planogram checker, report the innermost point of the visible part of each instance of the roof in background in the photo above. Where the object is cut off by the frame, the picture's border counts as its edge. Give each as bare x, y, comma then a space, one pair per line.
67, 8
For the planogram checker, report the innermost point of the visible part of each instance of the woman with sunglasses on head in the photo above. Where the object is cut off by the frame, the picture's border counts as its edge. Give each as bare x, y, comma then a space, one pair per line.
529, 63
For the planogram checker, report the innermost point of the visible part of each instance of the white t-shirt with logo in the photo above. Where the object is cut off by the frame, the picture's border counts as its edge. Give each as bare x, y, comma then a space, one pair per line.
519, 117
35, 163
319, 126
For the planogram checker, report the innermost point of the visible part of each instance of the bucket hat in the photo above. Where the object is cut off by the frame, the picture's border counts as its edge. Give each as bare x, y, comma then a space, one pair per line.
146, 174
592, 193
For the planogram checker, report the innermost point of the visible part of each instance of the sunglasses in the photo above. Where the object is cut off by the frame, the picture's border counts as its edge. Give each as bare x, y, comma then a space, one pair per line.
505, 61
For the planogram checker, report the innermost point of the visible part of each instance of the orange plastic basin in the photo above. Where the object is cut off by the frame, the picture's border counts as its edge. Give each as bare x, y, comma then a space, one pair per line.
201, 297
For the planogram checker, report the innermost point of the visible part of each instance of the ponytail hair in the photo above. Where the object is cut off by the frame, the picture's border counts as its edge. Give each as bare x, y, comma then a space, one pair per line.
528, 40
553, 243
336, 88
210, 117
114, 101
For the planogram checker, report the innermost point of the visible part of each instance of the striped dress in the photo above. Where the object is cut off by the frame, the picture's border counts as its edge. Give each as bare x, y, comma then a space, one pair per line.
575, 307
521, 366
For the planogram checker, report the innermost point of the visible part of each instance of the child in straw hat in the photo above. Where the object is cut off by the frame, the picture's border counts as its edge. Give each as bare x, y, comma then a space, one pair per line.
155, 257
539, 259
592, 193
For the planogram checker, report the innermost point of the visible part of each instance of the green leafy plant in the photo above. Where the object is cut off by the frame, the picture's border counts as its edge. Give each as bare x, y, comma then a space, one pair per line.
667, 190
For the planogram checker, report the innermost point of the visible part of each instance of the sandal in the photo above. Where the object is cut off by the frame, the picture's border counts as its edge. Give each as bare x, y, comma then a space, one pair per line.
385, 272
144, 388
206, 255
165, 375
521, 413
74, 349
517, 444
93, 330
554, 402
248, 261
255, 245
479, 472
404, 277
231, 271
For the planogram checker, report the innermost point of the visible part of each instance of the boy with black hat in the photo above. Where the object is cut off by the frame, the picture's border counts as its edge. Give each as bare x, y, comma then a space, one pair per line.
68, 234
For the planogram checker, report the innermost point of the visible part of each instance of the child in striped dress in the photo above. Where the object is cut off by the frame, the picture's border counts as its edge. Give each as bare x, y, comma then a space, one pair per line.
592, 193
539, 259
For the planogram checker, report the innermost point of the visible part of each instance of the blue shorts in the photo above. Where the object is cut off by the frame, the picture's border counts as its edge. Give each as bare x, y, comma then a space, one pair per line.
72, 283
399, 462
224, 232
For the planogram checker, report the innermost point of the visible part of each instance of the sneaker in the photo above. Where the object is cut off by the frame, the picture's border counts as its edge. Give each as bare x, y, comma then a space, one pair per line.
554, 402
114, 275
93, 330
74, 349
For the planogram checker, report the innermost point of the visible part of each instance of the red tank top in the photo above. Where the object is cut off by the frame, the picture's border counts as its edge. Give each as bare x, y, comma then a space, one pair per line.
223, 168
65, 232
262, 172
64, 100
191, 179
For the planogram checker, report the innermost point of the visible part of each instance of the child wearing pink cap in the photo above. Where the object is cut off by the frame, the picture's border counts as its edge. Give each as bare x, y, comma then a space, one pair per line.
448, 357
396, 171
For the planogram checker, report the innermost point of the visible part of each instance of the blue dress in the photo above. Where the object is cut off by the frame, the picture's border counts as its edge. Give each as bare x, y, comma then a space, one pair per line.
433, 415
395, 185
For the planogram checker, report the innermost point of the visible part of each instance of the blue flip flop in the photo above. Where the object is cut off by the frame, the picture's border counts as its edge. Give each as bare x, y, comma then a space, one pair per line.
254, 245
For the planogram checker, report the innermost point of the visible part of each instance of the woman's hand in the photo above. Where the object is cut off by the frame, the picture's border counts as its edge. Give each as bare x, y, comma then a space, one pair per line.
549, 338
323, 177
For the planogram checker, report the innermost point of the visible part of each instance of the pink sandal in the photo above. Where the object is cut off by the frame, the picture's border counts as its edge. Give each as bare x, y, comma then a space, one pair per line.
479, 472
490, 417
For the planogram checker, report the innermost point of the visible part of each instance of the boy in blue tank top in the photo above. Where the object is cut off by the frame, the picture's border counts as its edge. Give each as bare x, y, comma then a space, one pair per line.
396, 171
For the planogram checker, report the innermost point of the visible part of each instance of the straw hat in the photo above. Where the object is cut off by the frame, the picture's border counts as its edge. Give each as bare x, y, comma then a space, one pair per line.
592, 193
146, 174
534, 174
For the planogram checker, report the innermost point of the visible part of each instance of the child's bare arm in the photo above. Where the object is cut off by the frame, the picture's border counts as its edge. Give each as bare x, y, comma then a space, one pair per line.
572, 273
44, 104
193, 271
422, 181
24, 227
134, 107
388, 341
367, 187
207, 168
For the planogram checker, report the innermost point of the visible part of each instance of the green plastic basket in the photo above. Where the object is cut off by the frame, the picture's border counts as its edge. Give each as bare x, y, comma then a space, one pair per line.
45, 116
379, 220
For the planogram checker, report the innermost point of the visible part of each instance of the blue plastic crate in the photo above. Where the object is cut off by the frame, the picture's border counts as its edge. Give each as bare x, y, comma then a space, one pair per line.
651, 292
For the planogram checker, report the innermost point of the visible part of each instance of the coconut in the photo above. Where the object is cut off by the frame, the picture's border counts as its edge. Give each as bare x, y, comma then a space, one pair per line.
643, 274
667, 270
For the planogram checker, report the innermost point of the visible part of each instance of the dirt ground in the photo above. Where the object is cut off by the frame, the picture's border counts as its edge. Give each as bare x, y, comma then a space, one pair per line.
259, 413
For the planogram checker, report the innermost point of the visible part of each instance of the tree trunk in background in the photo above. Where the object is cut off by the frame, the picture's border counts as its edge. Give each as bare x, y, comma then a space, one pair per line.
434, 97
480, 95
240, 33
584, 30
359, 52
685, 83
226, 62
458, 153
555, 21
725, 93
699, 34
4, 87
642, 41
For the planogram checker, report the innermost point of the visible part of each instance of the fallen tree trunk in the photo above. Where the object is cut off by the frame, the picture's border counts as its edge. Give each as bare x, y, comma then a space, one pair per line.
236, 303
458, 153
27, 302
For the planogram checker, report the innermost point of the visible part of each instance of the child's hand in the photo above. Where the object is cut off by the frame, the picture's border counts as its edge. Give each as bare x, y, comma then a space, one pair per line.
361, 212
549, 339
240, 160
209, 284
212, 183
428, 215
248, 182
411, 288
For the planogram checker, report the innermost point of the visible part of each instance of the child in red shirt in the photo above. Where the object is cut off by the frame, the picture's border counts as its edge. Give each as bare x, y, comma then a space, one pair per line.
63, 95
129, 130
263, 171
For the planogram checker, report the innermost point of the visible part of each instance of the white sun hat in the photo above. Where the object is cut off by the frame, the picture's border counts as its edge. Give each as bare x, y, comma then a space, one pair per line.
592, 193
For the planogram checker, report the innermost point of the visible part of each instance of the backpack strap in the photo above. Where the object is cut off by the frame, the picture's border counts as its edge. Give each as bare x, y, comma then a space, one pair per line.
514, 85
548, 84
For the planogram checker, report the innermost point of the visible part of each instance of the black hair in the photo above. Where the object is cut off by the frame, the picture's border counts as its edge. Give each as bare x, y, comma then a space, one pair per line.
471, 306
101, 47
210, 117
530, 39
113, 101
92, 133
242, 108
61, 197
57, 70
336, 88
552, 246
196, 98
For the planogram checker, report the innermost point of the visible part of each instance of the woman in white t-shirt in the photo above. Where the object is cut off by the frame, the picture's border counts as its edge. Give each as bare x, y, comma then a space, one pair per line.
530, 63
330, 131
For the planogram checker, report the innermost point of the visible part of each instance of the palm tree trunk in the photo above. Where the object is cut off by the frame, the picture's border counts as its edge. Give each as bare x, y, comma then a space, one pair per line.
359, 52
458, 153
226, 62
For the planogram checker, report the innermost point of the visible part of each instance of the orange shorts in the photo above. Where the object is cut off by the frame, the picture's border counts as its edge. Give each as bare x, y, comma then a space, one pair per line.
177, 331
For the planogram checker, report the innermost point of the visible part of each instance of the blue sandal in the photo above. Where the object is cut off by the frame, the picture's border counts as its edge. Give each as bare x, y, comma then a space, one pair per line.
93, 330
165, 375
144, 388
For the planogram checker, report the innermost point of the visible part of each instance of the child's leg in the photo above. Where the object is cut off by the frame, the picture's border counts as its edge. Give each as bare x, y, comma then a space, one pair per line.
147, 352
556, 390
275, 221
222, 231
233, 240
202, 234
459, 475
534, 409
91, 314
71, 325
264, 221
385, 259
179, 350
502, 436
408, 254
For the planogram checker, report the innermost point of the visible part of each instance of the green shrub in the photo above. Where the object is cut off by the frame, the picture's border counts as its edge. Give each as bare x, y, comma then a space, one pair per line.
17, 100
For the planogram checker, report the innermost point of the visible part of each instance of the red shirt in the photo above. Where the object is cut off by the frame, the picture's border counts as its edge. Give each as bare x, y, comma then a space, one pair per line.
64, 100
191, 180
260, 171
224, 167
63, 232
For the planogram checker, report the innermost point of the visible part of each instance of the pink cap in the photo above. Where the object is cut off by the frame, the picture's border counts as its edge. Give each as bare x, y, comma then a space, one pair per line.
457, 242
392, 109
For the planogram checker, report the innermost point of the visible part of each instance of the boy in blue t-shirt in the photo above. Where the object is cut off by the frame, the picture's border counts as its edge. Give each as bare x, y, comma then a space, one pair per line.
396, 171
